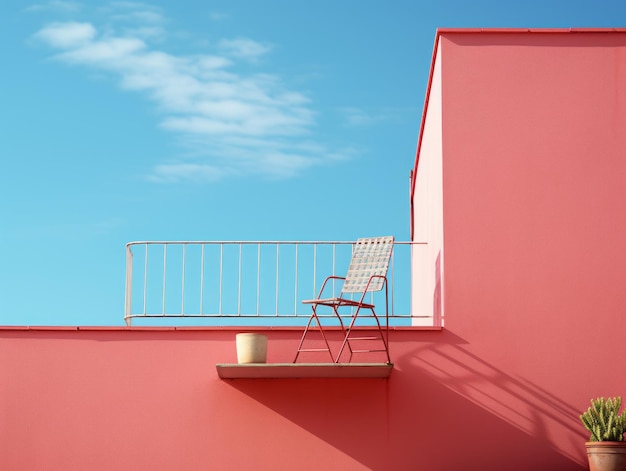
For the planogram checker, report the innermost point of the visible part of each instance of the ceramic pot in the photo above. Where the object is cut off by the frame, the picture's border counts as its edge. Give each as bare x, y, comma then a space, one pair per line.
606, 456
251, 348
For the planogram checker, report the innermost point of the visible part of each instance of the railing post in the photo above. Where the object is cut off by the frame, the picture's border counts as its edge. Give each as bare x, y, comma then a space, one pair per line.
393, 280
258, 279
295, 294
182, 304
164, 277
239, 280
128, 302
221, 276
145, 283
202, 280
277, 278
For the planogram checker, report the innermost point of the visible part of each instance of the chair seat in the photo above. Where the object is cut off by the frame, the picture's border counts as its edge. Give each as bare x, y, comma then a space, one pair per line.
338, 302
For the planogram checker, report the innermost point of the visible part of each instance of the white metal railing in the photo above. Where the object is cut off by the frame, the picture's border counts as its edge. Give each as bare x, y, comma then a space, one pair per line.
249, 282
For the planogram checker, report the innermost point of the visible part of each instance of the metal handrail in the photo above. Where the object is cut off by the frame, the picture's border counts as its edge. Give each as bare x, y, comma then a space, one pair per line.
199, 269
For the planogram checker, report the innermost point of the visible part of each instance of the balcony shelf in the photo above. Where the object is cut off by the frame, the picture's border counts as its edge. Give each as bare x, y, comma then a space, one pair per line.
303, 370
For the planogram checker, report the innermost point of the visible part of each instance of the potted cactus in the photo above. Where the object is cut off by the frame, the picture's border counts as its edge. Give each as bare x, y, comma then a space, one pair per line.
606, 448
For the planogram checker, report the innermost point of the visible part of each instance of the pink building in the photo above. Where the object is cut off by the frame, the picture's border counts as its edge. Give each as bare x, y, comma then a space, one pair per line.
519, 191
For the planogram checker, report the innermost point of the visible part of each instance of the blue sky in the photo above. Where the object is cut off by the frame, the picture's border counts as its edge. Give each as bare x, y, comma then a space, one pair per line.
213, 120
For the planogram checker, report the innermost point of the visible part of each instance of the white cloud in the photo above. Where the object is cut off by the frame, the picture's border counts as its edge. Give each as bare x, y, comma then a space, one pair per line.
136, 11
358, 117
147, 32
111, 53
243, 48
67, 35
136, 19
176, 172
228, 123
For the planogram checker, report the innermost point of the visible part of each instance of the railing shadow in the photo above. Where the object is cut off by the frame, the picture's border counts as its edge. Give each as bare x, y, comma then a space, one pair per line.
517, 401
439, 395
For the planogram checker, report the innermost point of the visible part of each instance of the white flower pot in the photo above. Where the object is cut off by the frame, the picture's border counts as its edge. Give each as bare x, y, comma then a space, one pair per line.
251, 348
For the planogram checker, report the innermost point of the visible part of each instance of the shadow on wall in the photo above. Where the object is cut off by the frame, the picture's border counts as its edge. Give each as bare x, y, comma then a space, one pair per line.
496, 409
442, 408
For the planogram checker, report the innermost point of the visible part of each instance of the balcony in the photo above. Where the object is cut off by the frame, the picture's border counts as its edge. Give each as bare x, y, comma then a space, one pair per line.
257, 283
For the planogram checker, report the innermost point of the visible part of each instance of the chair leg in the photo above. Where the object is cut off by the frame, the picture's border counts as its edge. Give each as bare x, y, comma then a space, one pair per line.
306, 330
345, 331
347, 339
384, 337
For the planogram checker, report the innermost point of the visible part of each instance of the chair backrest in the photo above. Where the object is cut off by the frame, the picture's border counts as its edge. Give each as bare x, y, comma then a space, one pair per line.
370, 257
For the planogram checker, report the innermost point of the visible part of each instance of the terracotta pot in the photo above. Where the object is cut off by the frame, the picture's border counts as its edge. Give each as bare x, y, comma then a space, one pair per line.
606, 456
251, 348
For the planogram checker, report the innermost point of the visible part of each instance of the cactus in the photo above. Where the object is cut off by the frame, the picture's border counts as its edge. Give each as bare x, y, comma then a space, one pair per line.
604, 421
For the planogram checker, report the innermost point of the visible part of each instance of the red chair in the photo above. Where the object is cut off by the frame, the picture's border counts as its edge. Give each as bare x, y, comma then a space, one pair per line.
367, 273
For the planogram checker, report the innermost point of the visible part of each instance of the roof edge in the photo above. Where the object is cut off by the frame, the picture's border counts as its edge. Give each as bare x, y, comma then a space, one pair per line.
530, 30
420, 136
105, 328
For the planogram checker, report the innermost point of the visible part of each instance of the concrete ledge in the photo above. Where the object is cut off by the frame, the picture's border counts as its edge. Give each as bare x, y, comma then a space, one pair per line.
303, 370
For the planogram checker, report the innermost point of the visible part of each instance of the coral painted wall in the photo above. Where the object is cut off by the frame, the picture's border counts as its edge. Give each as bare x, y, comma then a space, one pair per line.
534, 220
103, 399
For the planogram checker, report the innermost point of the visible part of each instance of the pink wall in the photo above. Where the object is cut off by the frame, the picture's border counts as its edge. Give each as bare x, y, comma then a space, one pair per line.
105, 399
534, 185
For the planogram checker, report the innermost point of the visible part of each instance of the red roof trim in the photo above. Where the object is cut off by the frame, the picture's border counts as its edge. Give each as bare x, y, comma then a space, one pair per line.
529, 30
421, 133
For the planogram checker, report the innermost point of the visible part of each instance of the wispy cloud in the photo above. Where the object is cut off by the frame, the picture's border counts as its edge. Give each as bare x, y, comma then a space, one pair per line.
67, 35
358, 117
175, 172
136, 12
135, 19
228, 122
243, 48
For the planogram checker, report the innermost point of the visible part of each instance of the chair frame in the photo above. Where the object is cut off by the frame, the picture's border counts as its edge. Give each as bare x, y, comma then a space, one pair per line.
371, 281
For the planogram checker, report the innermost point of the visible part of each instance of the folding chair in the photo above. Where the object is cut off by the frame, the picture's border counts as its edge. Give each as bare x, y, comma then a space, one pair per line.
367, 272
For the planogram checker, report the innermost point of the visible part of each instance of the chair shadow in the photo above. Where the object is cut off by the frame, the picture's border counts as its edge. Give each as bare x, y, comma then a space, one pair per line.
439, 395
